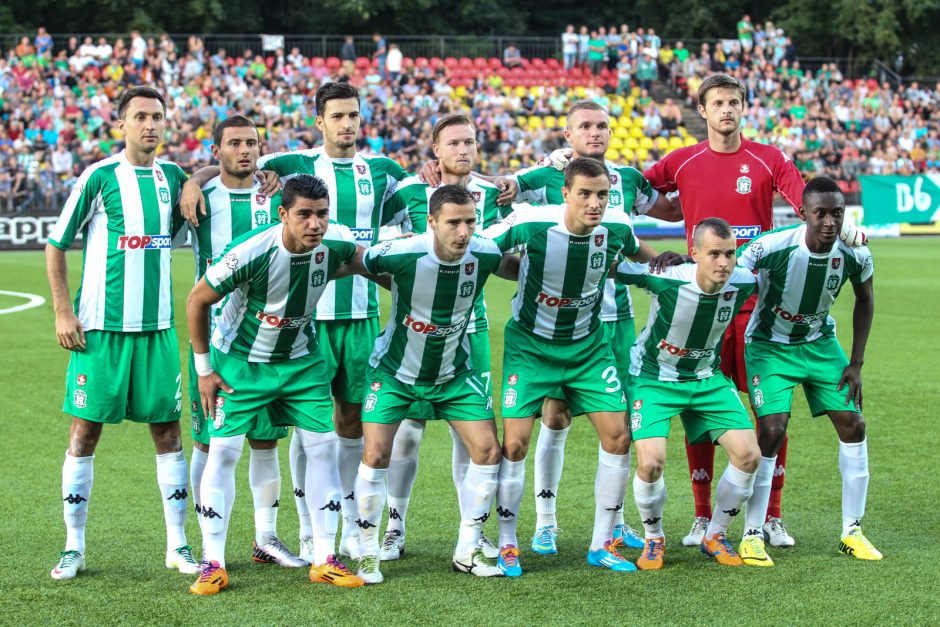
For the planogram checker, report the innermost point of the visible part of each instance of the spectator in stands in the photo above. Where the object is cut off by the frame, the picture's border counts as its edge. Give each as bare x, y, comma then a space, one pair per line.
646, 71
43, 43
393, 63
138, 49
348, 55
746, 33
597, 47
379, 54
569, 47
512, 57
624, 74
613, 48
584, 46
671, 116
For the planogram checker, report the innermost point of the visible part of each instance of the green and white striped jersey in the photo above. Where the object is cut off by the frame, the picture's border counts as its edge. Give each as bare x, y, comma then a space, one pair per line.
359, 188
410, 204
682, 338
630, 193
561, 275
273, 293
128, 217
796, 287
230, 213
425, 340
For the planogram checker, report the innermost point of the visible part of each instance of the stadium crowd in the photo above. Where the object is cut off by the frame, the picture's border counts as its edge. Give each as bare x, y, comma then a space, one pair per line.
56, 112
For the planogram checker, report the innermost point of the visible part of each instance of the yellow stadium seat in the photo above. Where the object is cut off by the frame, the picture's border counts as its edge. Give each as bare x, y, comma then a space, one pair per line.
621, 131
646, 143
690, 141
460, 92
637, 131
642, 154
515, 164
521, 92
562, 121
612, 155
683, 133
580, 92
535, 122
521, 120
675, 142
613, 122
632, 143
661, 143
550, 121
616, 143
635, 92
629, 156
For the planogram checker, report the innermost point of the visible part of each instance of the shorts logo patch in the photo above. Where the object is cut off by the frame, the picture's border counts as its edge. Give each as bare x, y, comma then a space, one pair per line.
728, 295
80, 399
758, 398
376, 386
194, 414
755, 380
636, 420
638, 405
319, 257
509, 398
219, 402
836, 262
599, 240
81, 379
513, 379
369, 403
468, 269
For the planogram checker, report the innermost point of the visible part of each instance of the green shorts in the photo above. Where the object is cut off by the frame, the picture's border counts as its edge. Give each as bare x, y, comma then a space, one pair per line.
346, 346
264, 430
125, 375
480, 361
386, 400
267, 395
620, 335
584, 371
707, 407
775, 369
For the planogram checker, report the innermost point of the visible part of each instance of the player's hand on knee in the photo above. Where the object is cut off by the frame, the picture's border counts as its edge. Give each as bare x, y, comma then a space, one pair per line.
209, 386
852, 377
430, 173
270, 182
69, 332
192, 203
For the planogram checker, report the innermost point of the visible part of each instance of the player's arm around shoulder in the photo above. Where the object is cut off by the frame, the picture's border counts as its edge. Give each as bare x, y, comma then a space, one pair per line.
743, 279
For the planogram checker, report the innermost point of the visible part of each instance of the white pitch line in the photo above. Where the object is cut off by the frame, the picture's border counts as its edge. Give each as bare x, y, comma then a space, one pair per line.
34, 301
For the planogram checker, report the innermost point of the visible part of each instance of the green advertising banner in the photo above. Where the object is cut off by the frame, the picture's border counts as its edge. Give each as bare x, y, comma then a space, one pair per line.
901, 199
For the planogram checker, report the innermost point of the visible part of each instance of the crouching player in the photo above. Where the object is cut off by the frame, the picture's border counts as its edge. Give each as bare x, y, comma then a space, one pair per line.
791, 340
424, 355
674, 371
265, 356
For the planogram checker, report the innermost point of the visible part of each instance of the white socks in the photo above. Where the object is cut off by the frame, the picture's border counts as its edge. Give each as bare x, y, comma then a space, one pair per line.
610, 485
853, 466
508, 499
197, 465
402, 470
549, 460
218, 494
264, 477
476, 498
349, 454
77, 476
734, 488
650, 501
370, 488
756, 511
298, 475
172, 479
322, 490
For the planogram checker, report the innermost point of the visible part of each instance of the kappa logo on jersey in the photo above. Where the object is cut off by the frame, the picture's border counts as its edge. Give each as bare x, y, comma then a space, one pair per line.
836, 262
509, 398
567, 303
286, 322
319, 257
728, 295
361, 169
743, 185
143, 242
513, 379
800, 318
429, 328
80, 399
363, 236
466, 289
81, 379
746, 232
687, 353
599, 239
230, 260
468, 269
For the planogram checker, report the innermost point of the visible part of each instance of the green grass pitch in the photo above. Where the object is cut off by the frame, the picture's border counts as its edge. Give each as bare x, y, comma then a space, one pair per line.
810, 584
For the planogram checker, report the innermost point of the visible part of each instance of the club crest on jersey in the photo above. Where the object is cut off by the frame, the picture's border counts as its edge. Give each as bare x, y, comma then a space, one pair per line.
744, 168
728, 295
159, 175
164, 195
513, 379
468, 269
376, 386
81, 379
638, 404
365, 187
613, 178
832, 282
615, 199
80, 399
476, 196
317, 279
755, 380
724, 314
466, 289
260, 198
743, 185
597, 261
319, 257
361, 169
509, 398
836, 262
262, 217
599, 239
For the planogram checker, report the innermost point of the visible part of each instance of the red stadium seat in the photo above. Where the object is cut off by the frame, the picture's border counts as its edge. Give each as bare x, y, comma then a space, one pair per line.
552, 63
421, 62
466, 62
480, 62
363, 63
537, 63
494, 63
451, 62
269, 61
436, 62
333, 63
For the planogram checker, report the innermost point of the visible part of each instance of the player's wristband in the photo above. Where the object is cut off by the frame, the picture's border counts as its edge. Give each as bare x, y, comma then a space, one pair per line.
203, 364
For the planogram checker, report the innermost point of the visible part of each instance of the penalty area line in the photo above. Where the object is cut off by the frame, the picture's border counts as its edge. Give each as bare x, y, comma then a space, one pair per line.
34, 301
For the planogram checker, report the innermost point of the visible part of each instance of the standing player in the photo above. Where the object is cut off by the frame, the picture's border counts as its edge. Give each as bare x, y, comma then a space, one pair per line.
801, 270
588, 133
552, 342
234, 206
265, 369
454, 144
673, 371
424, 354
125, 357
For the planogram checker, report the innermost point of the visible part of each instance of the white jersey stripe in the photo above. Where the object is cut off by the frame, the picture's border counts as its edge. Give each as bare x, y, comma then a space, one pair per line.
126, 175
